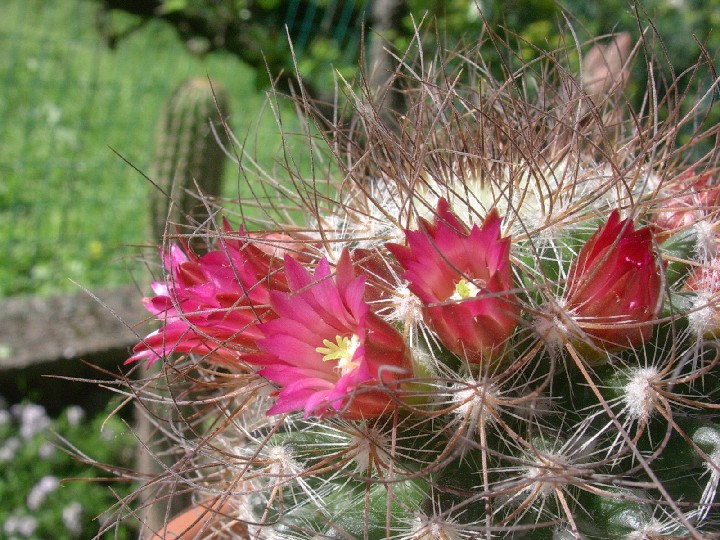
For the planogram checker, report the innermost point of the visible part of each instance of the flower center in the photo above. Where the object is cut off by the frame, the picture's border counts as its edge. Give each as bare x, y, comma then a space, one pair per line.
342, 350
465, 289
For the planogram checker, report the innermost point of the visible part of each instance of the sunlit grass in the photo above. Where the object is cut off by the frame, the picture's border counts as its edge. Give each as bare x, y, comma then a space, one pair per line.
71, 209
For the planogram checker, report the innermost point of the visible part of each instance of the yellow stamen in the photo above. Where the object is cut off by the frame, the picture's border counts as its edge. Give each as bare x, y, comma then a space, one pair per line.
465, 289
342, 351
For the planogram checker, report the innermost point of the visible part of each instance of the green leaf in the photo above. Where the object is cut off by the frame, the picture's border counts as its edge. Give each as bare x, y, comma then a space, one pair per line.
173, 6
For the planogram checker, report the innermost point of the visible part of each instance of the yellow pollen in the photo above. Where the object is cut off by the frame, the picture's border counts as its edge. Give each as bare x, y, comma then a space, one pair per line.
342, 351
464, 289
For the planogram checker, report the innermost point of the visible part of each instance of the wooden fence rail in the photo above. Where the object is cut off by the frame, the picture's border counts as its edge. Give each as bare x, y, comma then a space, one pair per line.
42, 337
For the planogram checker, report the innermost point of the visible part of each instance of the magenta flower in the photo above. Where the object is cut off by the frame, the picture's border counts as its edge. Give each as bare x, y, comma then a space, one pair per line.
210, 305
464, 280
326, 350
614, 285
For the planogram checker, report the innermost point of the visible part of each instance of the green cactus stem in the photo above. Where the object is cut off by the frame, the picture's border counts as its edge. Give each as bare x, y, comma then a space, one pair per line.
188, 161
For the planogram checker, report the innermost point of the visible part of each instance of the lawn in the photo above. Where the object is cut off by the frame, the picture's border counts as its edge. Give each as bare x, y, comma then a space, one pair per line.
71, 209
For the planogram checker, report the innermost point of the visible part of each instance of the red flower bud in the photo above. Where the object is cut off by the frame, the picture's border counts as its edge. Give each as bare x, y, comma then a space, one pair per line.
614, 285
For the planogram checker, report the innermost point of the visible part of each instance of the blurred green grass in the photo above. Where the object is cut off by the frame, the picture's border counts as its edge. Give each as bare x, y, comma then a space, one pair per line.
70, 208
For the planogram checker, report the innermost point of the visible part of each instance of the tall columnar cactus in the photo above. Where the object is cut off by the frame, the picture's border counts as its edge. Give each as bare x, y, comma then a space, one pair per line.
500, 321
188, 155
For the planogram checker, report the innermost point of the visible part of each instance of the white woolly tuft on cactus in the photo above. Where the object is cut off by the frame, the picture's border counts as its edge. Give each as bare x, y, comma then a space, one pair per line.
640, 395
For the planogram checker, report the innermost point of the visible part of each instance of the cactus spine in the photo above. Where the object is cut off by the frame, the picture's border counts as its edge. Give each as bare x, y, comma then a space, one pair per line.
188, 152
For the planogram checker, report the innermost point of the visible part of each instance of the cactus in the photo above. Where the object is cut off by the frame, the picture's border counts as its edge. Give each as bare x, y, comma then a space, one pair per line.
188, 155
503, 323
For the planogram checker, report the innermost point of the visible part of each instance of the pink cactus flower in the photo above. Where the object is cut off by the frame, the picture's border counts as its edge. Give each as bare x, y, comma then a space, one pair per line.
690, 199
328, 353
613, 289
210, 305
464, 280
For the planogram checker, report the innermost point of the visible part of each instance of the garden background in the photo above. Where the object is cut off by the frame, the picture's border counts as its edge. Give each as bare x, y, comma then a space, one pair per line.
83, 84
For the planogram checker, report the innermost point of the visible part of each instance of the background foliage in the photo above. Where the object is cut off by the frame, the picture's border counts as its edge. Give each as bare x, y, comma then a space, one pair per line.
325, 33
48, 493
84, 77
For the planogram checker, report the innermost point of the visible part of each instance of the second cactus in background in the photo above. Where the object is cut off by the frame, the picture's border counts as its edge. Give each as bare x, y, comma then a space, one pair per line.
188, 163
